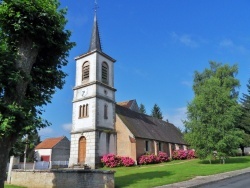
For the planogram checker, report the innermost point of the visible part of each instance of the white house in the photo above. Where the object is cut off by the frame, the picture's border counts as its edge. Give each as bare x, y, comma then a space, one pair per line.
53, 149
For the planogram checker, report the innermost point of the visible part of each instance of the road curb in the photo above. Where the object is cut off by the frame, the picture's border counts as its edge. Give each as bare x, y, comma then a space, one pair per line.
200, 181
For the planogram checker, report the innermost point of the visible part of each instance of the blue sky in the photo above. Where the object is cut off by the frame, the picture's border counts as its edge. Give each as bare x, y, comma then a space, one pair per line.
158, 45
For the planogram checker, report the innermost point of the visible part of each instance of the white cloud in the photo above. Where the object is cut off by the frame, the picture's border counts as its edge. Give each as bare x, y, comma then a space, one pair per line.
226, 43
177, 117
185, 39
187, 83
45, 131
67, 126
230, 45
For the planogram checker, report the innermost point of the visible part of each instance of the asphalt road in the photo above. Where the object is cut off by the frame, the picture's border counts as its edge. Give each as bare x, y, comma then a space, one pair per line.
241, 181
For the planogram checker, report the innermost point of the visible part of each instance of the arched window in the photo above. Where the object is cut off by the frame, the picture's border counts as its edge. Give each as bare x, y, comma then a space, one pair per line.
85, 71
105, 72
87, 110
83, 111
105, 111
80, 111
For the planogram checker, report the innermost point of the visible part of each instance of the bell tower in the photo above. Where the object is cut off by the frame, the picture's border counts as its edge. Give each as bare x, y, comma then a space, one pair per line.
93, 119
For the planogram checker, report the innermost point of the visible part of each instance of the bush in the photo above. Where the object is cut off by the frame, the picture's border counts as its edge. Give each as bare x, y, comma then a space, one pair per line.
127, 161
183, 154
111, 160
151, 158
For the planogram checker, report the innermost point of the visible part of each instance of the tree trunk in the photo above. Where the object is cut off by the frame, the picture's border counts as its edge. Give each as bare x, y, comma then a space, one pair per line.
5, 146
27, 54
242, 150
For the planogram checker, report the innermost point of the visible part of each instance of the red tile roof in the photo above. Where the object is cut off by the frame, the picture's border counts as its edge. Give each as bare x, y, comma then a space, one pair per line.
49, 143
126, 104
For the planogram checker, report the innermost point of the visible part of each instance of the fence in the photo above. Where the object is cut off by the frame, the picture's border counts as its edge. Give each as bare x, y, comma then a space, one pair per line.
41, 165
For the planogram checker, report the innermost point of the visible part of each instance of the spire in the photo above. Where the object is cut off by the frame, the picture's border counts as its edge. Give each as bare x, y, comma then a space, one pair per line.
95, 43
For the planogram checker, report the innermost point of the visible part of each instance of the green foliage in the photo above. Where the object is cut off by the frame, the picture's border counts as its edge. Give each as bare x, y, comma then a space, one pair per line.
142, 109
156, 112
213, 113
34, 47
31, 140
244, 120
40, 24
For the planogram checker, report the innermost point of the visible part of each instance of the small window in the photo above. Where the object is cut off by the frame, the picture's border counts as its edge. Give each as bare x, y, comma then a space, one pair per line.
147, 146
104, 73
160, 146
83, 111
85, 71
105, 111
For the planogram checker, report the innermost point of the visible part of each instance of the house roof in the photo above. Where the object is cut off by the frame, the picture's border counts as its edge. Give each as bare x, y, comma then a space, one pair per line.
131, 104
49, 143
147, 127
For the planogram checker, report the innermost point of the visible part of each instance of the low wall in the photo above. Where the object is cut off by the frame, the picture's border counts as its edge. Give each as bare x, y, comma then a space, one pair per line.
63, 178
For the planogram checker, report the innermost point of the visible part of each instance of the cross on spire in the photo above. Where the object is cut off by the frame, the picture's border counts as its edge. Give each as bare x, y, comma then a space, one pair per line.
96, 6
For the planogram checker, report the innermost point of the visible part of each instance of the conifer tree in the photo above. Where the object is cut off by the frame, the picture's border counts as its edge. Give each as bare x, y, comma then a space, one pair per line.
244, 120
142, 109
156, 112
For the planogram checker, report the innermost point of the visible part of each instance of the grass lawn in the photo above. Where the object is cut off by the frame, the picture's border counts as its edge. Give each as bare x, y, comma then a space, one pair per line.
170, 172
174, 171
12, 186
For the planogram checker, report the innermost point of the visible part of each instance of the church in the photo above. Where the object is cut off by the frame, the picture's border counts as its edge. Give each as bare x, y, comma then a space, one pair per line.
100, 125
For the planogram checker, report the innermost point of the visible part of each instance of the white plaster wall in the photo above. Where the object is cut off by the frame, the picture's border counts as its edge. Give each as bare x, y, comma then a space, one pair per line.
86, 123
100, 60
112, 144
92, 69
103, 144
101, 121
89, 91
41, 152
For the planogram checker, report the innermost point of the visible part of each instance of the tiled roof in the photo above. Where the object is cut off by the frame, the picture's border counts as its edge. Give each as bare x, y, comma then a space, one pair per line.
147, 127
126, 104
49, 143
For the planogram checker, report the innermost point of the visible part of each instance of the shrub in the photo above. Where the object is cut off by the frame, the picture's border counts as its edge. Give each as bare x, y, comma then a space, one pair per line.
111, 160
151, 158
183, 154
127, 161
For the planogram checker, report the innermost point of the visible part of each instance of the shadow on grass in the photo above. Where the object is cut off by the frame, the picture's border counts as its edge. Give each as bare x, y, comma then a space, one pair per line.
132, 179
231, 160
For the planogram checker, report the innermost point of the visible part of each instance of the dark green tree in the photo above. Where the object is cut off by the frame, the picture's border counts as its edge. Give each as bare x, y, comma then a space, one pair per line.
34, 47
212, 114
142, 109
29, 142
244, 120
156, 112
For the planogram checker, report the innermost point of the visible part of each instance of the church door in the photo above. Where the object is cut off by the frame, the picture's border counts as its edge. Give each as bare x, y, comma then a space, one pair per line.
82, 150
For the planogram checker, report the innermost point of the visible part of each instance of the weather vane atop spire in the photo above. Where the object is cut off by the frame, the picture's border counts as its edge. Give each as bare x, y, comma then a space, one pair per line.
96, 6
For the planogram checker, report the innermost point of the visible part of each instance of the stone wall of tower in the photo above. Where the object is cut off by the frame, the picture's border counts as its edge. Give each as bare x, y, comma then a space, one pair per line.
91, 148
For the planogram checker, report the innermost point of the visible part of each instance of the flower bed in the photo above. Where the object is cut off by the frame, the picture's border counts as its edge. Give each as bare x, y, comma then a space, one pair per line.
151, 158
183, 154
111, 160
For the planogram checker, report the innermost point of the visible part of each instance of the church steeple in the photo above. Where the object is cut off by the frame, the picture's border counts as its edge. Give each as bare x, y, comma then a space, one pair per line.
95, 43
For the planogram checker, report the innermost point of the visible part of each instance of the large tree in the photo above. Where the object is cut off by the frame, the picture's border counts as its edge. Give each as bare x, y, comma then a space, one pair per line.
244, 120
212, 114
156, 112
34, 47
